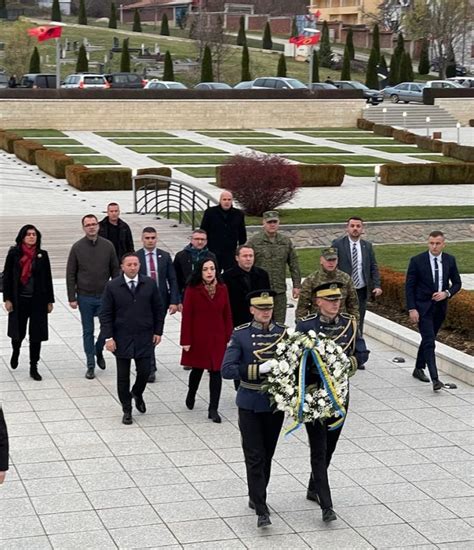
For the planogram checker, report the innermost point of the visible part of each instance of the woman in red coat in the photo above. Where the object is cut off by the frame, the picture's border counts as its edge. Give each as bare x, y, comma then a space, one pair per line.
206, 327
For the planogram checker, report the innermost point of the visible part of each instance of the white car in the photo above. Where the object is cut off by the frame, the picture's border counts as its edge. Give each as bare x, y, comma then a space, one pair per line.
278, 83
155, 84
85, 81
442, 84
465, 81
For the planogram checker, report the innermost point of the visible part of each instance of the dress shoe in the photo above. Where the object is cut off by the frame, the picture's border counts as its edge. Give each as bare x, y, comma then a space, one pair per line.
419, 373
35, 374
127, 418
311, 495
329, 515
190, 400
361, 367
264, 520
14, 358
187, 368
437, 385
139, 404
252, 506
214, 416
90, 373
152, 378
100, 361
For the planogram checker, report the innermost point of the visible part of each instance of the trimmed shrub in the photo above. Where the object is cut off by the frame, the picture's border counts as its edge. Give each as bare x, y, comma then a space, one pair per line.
25, 149
350, 43
267, 43
8, 140
113, 16
393, 288
315, 74
371, 76
383, 130
346, 65
245, 74
455, 173
82, 14
325, 52
364, 124
82, 65
404, 136
55, 11
461, 152
206, 66
99, 179
471, 122
168, 71
434, 145
125, 57
426, 174
157, 171
321, 175
137, 24
35, 66
165, 28
241, 36
281, 67
424, 63
53, 162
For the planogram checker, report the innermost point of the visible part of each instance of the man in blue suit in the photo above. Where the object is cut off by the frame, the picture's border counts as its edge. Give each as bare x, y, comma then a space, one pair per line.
157, 264
432, 278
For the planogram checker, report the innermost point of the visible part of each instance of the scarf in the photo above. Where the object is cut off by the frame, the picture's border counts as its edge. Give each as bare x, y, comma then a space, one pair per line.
26, 262
196, 254
211, 288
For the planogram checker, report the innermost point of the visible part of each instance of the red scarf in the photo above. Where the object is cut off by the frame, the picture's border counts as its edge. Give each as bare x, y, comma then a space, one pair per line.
26, 262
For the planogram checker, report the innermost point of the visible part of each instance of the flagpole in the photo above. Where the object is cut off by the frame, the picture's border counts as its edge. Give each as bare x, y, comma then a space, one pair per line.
58, 63
311, 61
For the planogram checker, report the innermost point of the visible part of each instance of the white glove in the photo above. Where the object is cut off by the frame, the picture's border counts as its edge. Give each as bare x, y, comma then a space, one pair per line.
266, 367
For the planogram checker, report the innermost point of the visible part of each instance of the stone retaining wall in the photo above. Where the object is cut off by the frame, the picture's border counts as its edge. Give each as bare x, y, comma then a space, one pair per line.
461, 109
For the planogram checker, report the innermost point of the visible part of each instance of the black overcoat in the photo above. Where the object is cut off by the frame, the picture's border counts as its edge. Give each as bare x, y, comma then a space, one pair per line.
43, 293
131, 319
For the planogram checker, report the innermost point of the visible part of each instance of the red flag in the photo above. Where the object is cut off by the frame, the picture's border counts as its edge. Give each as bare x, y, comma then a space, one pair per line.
305, 40
45, 33
317, 14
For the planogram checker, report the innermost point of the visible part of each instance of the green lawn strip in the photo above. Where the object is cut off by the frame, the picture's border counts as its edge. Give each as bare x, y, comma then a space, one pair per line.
367, 141
178, 149
381, 213
264, 141
289, 149
235, 134
395, 148
332, 135
198, 171
190, 159
153, 141
395, 256
58, 141
39, 133
436, 158
93, 159
360, 171
125, 133
339, 159
73, 150
326, 129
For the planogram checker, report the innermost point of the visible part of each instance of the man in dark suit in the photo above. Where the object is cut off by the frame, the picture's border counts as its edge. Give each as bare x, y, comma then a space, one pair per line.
131, 321
115, 230
225, 228
157, 264
432, 278
357, 259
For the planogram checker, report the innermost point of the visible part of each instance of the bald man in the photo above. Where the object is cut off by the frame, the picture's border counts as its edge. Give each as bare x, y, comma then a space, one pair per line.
225, 228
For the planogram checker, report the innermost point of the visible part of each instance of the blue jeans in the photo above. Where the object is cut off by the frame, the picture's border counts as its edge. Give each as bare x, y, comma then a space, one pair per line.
89, 307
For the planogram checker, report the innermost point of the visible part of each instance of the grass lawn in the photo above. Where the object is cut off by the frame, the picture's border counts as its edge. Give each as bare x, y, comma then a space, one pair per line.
153, 141
219, 134
74, 150
325, 129
360, 171
190, 159
396, 148
382, 213
263, 141
177, 149
395, 256
124, 134
39, 133
349, 159
289, 149
436, 158
334, 134
58, 141
368, 141
93, 159
198, 171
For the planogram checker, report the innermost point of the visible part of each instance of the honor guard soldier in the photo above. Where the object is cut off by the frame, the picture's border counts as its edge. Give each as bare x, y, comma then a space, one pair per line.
342, 328
251, 347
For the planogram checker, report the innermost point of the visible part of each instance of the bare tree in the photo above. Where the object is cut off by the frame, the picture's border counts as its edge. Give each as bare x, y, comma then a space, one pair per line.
18, 51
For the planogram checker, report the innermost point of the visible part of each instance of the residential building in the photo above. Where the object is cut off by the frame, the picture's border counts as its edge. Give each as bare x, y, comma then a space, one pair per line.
350, 12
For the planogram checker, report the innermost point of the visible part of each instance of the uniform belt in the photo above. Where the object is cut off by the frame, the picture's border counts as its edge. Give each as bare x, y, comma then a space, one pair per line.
249, 386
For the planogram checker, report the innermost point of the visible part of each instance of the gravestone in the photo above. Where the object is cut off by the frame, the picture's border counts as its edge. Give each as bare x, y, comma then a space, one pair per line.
116, 42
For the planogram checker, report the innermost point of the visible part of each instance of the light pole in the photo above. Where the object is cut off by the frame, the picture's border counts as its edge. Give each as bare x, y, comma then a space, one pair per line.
376, 182
428, 120
404, 115
458, 131
384, 112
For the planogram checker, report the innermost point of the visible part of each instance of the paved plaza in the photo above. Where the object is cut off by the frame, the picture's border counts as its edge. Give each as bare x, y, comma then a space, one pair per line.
402, 475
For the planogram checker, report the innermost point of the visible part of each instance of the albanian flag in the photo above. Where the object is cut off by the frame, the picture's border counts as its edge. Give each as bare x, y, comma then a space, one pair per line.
45, 33
305, 40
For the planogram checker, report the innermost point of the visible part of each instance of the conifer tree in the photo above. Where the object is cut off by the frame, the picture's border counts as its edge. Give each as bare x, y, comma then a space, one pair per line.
245, 76
406, 68
125, 57
424, 63
35, 62
165, 27
350, 43
206, 66
137, 24
82, 65
294, 28
325, 53
82, 15
281, 69
315, 74
3, 6
395, 61
241, 36
267, 43
371, 78
113, 16
376, 42
450, 63
346, 65
168, 72
55, 11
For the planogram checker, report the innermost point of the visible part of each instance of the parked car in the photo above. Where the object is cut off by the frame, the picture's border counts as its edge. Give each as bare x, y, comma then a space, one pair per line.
244, 85
3, 80
212, 86
155, 84
125, 80
323, 86
460, 69
372, 96
442, 84
85, 81
406, 92
278, 83
465, 81
37, 80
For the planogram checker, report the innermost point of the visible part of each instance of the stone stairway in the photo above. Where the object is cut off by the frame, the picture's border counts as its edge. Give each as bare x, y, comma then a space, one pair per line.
416, 115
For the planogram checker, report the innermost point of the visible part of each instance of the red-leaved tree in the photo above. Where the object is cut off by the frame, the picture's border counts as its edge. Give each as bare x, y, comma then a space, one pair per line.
260, 182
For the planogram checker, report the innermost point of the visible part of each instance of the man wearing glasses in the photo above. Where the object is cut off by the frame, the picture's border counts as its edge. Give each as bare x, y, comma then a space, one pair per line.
91, 263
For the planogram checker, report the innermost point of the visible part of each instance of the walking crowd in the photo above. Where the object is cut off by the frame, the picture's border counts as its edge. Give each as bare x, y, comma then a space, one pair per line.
231, 293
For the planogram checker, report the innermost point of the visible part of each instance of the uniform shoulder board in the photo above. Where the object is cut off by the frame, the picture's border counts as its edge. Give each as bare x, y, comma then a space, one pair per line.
281, 325
240, 327
309, 317
347, 316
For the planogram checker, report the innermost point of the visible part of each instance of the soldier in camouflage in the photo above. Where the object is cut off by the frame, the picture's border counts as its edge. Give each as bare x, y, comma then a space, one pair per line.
273, 251
327, 273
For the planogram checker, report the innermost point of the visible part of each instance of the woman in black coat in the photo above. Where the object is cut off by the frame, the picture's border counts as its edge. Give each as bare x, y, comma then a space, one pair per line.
28, 295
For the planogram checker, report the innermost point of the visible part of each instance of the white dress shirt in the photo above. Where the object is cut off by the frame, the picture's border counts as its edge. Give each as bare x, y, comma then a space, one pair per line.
359, 261
440, 269
128, 280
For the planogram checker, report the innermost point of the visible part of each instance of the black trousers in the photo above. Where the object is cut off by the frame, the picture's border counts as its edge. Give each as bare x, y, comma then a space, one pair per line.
142, 365
215, 385
429, 325
362, 297
322, 444
260, 433
24, 315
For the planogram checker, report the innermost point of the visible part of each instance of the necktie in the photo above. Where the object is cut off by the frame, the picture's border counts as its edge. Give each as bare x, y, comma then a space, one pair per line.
436, 274
132, 287
152, 266
355, 267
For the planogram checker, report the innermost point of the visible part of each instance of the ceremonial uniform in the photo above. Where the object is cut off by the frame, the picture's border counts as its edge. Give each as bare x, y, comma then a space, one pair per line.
343, 330
250, 346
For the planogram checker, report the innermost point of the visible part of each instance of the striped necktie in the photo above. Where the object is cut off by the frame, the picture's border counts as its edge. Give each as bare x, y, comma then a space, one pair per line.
355, 267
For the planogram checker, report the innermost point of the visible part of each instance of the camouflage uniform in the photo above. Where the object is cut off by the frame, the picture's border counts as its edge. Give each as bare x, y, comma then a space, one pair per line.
306, 301
273, 255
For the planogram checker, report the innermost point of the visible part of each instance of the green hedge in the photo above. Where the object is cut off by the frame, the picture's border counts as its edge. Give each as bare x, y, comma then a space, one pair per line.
471, 122
53, 162
157, 171
25, 149
364, 124
8, 139
434, 145
99, 179
383, 130
426, 174
321, 175
461, 152
404, 136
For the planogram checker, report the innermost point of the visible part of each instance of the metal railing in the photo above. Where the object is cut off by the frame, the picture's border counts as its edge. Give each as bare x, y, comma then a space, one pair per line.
180, 200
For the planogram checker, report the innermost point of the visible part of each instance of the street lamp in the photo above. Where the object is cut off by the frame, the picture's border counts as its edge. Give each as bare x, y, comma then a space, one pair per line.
404, 115
428, 120
376, 182
458, 131
384, 111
